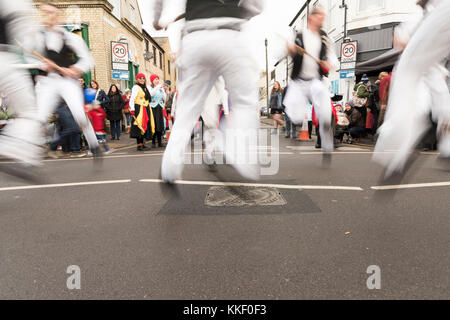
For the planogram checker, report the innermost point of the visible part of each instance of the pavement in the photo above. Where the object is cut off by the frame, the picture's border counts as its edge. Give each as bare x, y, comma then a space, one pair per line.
319, 235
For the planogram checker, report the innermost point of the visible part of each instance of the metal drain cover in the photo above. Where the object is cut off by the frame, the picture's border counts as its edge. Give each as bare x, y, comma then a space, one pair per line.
243, 196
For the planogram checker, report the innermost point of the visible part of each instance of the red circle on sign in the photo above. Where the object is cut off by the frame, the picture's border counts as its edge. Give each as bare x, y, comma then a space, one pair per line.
352, 54
120, 56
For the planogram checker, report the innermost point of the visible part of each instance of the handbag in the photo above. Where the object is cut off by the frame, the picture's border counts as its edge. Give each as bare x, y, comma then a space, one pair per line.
357, 101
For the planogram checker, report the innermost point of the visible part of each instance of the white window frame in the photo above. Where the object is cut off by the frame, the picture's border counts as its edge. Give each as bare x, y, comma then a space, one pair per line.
381, 8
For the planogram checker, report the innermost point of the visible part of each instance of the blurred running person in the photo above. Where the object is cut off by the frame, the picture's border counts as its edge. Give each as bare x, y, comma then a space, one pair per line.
20, 140
67, 57
419, 81
307, 75
213, 46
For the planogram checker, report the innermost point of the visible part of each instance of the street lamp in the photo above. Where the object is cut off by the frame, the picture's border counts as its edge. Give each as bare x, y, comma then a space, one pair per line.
267, 79
344, 5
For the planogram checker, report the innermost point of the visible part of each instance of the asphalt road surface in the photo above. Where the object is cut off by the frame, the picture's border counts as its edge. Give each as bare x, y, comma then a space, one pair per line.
318, 233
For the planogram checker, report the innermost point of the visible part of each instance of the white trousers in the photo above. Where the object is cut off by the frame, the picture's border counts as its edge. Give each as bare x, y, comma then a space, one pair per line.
299, 94
51, 90
210, 115
205, 56
416, 84
21, 139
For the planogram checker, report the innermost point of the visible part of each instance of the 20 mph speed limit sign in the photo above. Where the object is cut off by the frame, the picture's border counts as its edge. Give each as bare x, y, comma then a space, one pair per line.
348, 52
119, 52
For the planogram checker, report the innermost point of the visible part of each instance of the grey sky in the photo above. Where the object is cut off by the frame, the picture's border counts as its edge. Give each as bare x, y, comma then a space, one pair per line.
273, 22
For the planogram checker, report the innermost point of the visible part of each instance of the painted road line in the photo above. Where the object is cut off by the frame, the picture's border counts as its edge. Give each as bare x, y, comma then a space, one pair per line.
411, 186
90, 158
63, 185
268, 185
342, 152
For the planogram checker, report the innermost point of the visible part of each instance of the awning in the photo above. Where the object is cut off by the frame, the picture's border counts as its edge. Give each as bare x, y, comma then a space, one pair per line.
380, 63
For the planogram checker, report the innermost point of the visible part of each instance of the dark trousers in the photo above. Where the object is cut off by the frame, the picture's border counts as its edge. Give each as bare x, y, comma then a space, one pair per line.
310, 127
356, 132
115, 129
69, 141
157, 135
291, 128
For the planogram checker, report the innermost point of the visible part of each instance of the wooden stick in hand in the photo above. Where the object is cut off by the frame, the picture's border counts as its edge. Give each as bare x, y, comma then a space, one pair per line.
40, 57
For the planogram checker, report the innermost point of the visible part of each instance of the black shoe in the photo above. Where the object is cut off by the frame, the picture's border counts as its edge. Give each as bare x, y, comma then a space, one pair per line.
145, 148
287, 136
161, 145
139, 148
153, 145
318, 146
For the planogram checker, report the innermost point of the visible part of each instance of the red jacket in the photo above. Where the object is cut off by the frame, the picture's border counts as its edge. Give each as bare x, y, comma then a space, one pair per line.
384, 89
333, 111
97, 117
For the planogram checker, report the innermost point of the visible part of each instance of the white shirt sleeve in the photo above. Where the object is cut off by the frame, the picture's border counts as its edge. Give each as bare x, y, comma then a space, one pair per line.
133, 97
174, 105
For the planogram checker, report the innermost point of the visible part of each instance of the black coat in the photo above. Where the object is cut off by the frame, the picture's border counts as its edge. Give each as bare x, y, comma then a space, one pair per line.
114, 107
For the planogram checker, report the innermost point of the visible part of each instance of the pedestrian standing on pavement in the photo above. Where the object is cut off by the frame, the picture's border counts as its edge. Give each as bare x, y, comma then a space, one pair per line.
101, 96
276, 107
68, 134
212, 46
97, 116
291, 128
158, 98
114, 111
142, 122
307, 85
126, 110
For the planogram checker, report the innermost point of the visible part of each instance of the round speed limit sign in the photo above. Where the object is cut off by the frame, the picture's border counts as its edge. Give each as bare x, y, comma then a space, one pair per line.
348, 53
119, 52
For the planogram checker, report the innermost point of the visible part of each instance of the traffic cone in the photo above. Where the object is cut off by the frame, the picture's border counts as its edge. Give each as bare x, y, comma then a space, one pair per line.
304, 134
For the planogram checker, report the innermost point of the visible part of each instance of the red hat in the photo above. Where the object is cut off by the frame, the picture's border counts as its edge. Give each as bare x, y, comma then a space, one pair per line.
140, 75
153, 77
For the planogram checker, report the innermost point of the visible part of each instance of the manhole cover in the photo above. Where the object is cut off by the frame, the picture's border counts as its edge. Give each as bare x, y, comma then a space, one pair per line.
243, 196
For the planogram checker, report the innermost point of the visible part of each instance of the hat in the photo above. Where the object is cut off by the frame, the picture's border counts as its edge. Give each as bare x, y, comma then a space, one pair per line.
89, 95
168, 83
350, 103
140, 75
365, 78
153, 77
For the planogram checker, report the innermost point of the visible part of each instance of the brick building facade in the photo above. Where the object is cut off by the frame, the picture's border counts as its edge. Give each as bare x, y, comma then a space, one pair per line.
100, 22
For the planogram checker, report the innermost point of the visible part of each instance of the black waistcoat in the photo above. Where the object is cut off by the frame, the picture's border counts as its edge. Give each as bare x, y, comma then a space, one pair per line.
205, 9
64, 58
298, 59
4, 37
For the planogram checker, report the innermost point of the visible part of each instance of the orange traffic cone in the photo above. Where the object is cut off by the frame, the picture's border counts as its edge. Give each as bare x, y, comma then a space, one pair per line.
304, 134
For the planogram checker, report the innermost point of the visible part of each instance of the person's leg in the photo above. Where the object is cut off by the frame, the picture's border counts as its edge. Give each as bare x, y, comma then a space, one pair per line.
119, 127
319, 140
21, 139
73, 96
296, 101
288, 126
322, 104
310, 127
197, 77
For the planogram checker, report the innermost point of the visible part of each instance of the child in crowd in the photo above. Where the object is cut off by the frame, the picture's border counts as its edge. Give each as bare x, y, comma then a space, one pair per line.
97, 116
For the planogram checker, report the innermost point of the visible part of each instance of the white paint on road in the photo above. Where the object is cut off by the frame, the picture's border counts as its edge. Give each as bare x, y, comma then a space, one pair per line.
63, 185
411, 186
268, 185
